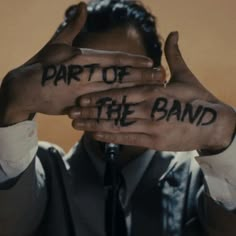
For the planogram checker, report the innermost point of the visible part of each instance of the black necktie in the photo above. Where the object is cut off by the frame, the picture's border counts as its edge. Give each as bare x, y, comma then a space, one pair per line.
115, 223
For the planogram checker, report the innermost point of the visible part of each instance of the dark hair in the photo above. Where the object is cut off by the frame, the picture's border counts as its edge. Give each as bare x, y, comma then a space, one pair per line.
106, 14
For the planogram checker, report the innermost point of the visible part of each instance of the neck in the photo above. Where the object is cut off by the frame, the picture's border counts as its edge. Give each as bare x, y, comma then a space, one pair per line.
127, 153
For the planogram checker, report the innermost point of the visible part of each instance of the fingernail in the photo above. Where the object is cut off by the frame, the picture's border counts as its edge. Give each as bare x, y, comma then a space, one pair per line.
157, 69
150, 63
176, 37
80, 124
76, 114
99, 135
156, 72
85, 102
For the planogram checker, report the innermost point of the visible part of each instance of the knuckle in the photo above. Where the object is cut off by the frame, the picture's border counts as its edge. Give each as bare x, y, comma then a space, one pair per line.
118, 58
159, 126
156, 142
158, 74
104, 125
151, 74
117, 85
111, 138
87, 113
142, 74
93, 113
115, 127
83, 113
117, 96
145, 109
94, 99
155, 89
85, 101
92, 125
147, 90
131, 139
148, 74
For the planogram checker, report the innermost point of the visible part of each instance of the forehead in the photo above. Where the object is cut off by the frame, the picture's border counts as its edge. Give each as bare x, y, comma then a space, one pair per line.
126, 39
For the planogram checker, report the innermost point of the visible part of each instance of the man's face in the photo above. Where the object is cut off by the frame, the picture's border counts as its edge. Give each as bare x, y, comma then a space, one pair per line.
125, 39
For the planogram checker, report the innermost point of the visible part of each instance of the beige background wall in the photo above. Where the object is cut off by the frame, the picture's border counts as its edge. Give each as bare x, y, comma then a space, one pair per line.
207, 39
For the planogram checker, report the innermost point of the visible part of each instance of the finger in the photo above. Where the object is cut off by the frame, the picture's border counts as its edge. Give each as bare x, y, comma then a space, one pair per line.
69, 70
121, 74
131, 95
173, 55
65, 36
90, 88
54, 54
111, 126
63, 76
157, 108
72, 27
107, 58
138, 111
141, 140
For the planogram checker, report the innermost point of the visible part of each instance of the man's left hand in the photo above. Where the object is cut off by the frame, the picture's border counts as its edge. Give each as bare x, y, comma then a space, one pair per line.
180, 117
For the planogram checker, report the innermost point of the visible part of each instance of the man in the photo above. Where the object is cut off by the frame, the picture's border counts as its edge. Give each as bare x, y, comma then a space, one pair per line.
120, 98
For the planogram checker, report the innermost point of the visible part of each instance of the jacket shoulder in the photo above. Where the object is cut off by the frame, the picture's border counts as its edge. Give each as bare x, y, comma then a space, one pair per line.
44, 147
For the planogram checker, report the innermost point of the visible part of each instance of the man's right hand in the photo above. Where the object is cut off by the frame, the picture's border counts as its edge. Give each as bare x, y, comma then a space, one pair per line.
52, 80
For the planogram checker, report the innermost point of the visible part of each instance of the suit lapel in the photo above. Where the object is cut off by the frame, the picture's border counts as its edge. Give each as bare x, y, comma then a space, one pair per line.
174, 191
87, 195
159, 200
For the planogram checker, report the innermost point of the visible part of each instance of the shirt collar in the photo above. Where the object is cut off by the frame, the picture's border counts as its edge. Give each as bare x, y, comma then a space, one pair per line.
132, 172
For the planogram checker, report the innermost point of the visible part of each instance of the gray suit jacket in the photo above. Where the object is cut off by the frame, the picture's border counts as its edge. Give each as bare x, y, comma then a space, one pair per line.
172, 205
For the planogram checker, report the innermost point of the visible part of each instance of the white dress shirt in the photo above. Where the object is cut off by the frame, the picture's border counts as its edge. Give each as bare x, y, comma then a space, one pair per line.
132, 173
18, 147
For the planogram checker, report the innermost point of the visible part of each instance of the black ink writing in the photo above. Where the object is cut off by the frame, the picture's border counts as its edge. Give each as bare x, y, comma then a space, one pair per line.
92, 68
114, 109
175, 110
61, 72
117, 74
159, 106
69, 73
106, 71
163, 109
100, 104
189, 114
207, 111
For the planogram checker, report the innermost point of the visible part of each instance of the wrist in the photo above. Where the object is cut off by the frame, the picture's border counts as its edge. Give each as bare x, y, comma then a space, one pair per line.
222, 136
9, 115
10, 118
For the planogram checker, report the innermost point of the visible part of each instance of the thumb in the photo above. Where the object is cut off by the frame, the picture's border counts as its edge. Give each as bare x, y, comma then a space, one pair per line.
65, 35
71, 27
173, 55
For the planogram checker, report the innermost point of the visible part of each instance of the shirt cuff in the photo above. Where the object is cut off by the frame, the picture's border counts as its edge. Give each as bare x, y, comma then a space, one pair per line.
18, 145
220, 175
